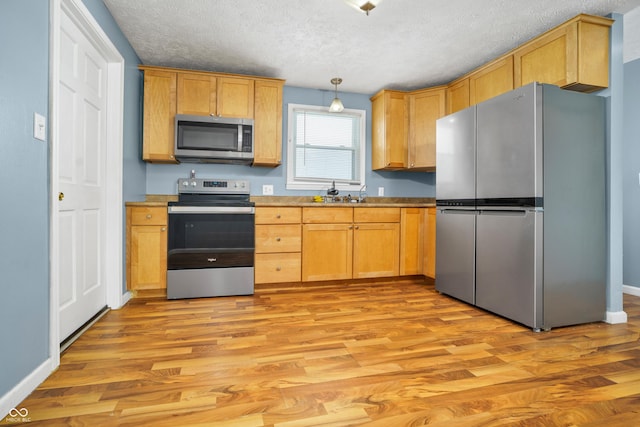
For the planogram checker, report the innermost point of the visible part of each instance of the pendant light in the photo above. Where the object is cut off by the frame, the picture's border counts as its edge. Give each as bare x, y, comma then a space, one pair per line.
336, 105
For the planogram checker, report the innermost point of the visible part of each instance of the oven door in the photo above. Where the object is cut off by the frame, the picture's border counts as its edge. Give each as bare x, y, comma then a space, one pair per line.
210, 237
210, 251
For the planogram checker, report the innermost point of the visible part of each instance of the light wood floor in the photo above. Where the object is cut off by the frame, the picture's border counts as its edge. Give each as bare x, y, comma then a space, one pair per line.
379, 354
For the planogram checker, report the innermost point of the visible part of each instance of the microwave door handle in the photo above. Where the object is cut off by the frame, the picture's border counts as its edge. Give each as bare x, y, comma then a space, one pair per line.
239, 138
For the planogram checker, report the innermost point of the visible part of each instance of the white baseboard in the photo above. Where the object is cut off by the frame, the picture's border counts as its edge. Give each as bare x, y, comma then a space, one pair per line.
24, 388
125, 299
631, 290
614, 317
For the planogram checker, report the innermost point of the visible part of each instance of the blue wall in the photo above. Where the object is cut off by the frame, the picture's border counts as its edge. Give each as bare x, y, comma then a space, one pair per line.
161, 179
24, 217
631, 169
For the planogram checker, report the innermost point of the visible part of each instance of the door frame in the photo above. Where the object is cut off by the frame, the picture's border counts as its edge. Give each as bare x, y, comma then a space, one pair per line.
112, 261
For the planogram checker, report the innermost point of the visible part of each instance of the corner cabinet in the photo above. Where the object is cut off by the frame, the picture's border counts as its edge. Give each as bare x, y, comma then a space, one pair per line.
425, 107
169, 91
389, 119
146, 242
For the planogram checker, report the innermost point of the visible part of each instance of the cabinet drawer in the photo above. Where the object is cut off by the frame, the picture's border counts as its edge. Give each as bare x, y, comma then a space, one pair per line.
280, 267
141, 215
327, 215
278, 215
376, 215
278, 238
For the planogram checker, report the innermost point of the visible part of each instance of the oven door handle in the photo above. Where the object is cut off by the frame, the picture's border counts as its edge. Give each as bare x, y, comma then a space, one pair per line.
211, 209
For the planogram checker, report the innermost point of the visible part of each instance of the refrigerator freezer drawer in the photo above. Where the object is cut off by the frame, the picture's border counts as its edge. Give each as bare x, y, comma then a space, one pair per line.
455, 253
509, 265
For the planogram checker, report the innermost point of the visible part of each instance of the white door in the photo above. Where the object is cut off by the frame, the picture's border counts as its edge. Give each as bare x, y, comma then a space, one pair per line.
81, 160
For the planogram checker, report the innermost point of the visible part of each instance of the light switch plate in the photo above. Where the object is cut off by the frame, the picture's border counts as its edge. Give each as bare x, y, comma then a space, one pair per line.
39, 127
267, 190
380, 191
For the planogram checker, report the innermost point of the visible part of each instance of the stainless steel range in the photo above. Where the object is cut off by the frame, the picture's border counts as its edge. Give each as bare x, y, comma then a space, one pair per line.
211, 239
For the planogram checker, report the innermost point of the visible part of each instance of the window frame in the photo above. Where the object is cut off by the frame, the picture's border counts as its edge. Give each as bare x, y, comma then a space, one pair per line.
319, 184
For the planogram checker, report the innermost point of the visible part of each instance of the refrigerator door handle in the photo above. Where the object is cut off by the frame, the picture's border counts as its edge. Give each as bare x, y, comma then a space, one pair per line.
504, 212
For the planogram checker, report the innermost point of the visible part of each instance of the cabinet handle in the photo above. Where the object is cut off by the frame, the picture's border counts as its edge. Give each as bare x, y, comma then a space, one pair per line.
277, 239
278, 216
163, 229
357, 227
351, 227
148, 216
278, 268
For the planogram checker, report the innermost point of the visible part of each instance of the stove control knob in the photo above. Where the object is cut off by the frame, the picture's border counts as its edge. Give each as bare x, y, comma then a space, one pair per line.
185, 183
193, 183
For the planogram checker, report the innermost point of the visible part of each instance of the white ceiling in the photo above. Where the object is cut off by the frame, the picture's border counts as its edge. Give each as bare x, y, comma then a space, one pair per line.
402, 44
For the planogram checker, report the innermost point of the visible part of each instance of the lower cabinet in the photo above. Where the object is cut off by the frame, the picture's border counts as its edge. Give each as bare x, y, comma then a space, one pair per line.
146, 247
278, 244
412, 234
430, 243
344, 243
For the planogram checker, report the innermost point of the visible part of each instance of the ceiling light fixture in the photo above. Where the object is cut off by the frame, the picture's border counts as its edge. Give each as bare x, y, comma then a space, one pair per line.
364, 5
336, 104
367, 7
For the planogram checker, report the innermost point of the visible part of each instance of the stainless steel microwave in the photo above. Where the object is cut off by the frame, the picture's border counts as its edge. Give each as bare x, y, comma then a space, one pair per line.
210, 139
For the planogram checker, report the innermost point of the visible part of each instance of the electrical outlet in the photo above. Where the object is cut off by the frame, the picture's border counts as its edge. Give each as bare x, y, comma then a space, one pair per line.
380, 191
267, 190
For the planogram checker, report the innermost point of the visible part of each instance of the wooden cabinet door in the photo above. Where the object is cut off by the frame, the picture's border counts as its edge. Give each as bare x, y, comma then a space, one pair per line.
458, 96
267, 130
425, 107
148, 258
196, 94
327, 251
430, 243
235, 97
574, 56
492, 80
412, 242
389, 121
375, 250
159, 115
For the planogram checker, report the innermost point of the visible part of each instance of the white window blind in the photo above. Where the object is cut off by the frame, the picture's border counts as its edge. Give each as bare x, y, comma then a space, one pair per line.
325, 147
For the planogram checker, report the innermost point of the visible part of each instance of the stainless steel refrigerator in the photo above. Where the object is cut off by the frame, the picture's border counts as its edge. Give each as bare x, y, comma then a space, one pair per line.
520, 195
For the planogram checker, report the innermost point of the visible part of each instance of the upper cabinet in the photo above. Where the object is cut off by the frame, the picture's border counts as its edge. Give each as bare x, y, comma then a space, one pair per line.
458, 95
404, 128
491, 80
425, 107
158, 117
197, 94
235, 97
574, 55
168, 92
389, 119
267, 128
207, 95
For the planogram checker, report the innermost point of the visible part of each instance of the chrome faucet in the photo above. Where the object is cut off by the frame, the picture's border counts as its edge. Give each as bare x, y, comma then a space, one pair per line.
362, 196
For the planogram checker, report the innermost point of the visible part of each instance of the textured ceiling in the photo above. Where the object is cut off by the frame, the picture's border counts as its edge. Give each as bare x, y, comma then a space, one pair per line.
402, 44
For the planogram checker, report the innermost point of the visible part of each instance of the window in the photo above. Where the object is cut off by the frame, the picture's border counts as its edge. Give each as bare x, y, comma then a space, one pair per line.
324, 147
